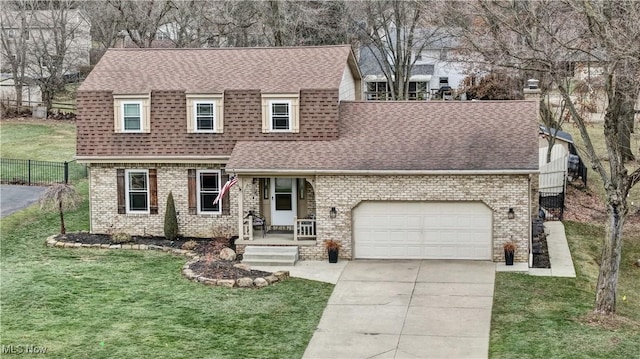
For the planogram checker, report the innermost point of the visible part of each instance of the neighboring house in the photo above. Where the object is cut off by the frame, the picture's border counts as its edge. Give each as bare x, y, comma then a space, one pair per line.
38, 33
436, 73
376, 86
387, 179
31, 94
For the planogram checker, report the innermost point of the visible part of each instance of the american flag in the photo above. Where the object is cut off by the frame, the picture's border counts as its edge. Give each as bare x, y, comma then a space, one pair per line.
232, 180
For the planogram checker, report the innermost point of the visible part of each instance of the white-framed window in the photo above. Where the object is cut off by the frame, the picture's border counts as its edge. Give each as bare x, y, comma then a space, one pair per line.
131, 113
280, 113
204, 113
137, 191
208, 185
132, 116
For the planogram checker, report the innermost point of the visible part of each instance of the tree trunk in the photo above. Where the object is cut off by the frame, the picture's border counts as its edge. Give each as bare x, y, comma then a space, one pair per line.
63, 230
609, 267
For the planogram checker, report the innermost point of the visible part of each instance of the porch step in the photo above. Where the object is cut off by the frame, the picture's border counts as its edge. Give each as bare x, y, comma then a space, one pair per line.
270, 255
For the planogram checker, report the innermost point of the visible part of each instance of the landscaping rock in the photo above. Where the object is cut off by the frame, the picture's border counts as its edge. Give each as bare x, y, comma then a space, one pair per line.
282, 275
229, 283
271, 279
638, 263
260, 282
245, 282
227, 254
243, 266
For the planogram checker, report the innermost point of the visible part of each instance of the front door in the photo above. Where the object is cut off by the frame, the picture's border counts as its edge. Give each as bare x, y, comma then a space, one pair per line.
283, 201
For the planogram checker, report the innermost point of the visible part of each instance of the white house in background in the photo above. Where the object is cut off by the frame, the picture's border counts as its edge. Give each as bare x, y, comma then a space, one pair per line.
436, 73
38, 31
30, 91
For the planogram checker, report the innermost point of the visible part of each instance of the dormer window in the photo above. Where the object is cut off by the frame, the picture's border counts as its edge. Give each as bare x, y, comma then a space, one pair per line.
280, 113
204, 113
131, 113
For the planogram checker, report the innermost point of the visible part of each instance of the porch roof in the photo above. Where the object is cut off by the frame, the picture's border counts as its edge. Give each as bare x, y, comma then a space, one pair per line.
408, 136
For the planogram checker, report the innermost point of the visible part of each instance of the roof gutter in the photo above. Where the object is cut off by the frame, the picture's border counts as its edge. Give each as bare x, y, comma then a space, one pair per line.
154, 159
379, 172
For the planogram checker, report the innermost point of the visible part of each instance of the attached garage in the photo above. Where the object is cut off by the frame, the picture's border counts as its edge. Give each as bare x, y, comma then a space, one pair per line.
422, 230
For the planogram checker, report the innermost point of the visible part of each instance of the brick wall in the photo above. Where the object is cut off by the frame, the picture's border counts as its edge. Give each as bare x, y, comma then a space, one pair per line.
169, 136
104, 206
499, 193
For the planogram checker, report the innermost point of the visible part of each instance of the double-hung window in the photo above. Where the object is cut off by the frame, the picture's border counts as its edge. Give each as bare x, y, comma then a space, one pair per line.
204, 116
137, 191
204, 113
208, 189
131, 113
132, 116
280, 113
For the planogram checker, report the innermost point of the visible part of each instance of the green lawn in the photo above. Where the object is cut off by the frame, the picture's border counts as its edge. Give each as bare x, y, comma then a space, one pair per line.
132, 304
45, 140
543, 317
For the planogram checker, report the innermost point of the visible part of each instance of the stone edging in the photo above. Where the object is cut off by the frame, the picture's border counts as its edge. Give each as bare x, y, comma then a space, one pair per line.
186, 269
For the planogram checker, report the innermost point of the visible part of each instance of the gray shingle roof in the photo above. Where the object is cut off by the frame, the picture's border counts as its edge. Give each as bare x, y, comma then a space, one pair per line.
409, 136
282, 69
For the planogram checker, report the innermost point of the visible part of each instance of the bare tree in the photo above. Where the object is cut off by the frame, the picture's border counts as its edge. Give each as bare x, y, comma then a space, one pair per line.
541, 36
394, 31
106, 24
56, 48
142, 19
13, 38
59, 197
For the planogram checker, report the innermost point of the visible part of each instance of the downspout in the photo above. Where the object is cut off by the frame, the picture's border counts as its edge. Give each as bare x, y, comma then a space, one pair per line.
530, 227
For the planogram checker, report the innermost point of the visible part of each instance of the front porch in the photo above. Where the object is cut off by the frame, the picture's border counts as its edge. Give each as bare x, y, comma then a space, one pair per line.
277, 211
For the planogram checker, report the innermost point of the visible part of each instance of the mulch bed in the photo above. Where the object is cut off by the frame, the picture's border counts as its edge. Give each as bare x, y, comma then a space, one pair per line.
208, 249
540, 252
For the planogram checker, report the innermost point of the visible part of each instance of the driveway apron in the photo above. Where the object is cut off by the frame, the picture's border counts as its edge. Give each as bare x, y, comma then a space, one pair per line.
407, 309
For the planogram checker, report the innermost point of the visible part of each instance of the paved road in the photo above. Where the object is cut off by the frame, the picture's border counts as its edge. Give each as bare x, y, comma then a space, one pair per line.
407, 309
14, 198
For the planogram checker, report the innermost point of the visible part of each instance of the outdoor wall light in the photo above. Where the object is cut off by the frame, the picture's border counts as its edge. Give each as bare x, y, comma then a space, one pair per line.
333, 212
511, 214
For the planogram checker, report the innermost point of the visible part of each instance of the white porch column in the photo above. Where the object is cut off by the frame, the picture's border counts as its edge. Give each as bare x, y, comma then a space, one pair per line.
240, 209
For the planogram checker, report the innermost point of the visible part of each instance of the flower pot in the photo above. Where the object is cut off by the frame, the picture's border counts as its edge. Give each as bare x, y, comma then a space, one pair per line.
333, 256
508, 257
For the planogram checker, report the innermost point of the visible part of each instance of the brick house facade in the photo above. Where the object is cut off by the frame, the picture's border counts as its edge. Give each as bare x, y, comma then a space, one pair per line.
335, 156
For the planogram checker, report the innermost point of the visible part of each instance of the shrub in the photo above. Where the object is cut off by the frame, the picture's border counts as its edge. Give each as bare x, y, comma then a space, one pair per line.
121, 238
170, 219
190, 245
332, 245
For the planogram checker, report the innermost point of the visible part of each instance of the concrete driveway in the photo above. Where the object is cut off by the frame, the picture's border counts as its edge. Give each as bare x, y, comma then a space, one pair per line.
14, 198
407, 309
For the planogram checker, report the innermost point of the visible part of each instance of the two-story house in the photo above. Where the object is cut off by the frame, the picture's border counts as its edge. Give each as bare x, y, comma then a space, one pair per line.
387, 179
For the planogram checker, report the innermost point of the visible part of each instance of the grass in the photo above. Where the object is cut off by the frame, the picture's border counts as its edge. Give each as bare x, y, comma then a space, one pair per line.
124, 304
43, 140
542, 317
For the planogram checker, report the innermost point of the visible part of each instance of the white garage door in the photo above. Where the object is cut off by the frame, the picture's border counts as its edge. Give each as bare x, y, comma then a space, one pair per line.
425, 230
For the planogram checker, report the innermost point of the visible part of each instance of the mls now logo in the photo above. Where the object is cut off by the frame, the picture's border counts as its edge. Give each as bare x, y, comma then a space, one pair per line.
23, 349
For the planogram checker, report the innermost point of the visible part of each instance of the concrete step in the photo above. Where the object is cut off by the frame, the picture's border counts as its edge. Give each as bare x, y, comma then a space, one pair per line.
270, 256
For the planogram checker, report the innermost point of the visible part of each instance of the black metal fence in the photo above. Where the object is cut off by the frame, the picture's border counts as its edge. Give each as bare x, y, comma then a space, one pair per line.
31, 172
552, 205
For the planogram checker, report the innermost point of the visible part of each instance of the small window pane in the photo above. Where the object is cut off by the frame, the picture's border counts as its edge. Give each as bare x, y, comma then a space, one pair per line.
131, 109
280, 109
138, 181
283, 202
284, 185
206, 202
138, 201
205, 109
209, 181
205, 123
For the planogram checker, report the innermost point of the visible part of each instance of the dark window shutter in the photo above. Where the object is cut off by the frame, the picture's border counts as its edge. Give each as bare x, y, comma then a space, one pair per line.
122, 208
193, 201
226, 208
153, 191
